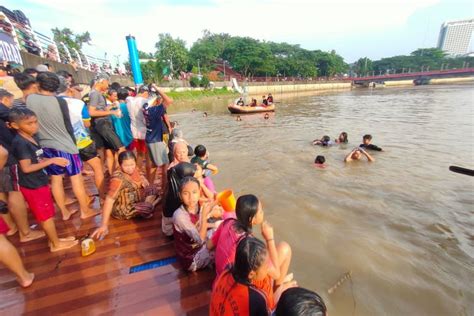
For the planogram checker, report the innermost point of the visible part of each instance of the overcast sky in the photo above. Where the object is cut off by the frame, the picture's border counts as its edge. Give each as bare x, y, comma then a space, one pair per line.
372, 28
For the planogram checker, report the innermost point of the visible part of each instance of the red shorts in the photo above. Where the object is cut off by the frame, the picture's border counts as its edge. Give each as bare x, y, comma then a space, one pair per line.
40, 202
139, 145
3, 227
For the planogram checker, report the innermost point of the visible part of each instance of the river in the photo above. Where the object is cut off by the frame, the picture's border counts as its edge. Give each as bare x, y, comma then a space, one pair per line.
403, 225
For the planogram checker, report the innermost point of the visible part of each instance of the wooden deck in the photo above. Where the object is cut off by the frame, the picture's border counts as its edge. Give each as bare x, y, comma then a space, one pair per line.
67, 283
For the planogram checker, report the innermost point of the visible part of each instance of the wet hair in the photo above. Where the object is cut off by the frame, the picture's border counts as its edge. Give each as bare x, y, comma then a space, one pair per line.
30, 71
325, 139
249, 256
367, 136
245, 209
126, 155
344, 137
48, 81
320, 160
298, 301
200, 150
187, 180
115, 86
122, 93
5, 94
24, 80
20, 113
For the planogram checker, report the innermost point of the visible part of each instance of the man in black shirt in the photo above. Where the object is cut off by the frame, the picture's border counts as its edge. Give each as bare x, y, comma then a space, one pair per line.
367, 145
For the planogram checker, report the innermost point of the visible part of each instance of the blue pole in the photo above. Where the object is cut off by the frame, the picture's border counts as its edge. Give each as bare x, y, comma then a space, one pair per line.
134, 62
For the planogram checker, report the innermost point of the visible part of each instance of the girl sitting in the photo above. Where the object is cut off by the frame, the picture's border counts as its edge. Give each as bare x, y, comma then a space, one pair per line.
249, 212
130, 194
190, 227
234, 292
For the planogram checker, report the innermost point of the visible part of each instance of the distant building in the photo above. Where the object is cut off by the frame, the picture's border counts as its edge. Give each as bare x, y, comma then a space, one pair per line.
455, 37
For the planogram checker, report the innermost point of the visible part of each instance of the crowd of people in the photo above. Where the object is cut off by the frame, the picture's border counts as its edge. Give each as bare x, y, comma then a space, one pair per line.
137, 158
266, 101
356, 154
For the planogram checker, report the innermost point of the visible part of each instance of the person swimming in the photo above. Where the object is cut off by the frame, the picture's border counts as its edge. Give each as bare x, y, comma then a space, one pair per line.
320, 162
325, 141
342, 139
266, 116
238, 118
356, 154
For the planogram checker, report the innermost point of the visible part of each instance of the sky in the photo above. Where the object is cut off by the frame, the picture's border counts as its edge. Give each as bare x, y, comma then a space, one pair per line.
364, 28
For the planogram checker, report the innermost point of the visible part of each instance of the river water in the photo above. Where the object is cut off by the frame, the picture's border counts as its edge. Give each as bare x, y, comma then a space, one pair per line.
403, 225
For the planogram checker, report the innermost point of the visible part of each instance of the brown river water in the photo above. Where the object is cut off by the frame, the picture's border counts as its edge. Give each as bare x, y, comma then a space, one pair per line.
403, 225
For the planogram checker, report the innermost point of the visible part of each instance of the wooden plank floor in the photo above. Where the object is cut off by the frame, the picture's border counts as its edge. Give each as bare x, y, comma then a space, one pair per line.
67, 283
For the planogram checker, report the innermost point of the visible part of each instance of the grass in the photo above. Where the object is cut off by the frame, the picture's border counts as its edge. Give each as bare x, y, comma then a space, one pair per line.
186, 95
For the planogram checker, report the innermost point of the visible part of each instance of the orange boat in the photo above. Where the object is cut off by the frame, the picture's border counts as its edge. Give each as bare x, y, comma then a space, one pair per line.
237, 109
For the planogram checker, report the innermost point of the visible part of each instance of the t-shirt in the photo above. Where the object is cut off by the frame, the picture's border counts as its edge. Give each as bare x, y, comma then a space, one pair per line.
97, 100
24, 149
52, 131
137, 121
225, 240
203, 163
79, 113
183, 224
230, 297
154, 123
122, 125
370, 147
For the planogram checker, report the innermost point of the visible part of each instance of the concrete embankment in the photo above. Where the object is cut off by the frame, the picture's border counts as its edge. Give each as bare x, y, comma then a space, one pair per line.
294, 88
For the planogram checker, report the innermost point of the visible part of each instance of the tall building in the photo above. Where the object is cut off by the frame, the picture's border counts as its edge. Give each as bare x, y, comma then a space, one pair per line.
455, 37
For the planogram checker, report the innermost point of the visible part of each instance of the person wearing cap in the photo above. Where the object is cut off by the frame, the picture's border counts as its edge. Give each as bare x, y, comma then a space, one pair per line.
153, 112
138, 127
102, 130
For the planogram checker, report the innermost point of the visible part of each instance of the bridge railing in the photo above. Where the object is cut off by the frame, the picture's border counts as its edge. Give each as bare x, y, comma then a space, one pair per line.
414, 74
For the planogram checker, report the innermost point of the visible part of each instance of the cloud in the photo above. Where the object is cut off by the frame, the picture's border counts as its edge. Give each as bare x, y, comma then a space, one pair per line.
311, 22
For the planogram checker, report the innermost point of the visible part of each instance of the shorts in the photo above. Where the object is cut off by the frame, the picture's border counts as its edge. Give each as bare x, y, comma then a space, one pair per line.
158, 153
104, 136
88, 153
9, 179
40, 202
74, 167
3, 227
139, 145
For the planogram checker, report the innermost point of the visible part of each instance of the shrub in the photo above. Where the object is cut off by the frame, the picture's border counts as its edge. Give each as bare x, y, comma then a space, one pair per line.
204, 82
194, 81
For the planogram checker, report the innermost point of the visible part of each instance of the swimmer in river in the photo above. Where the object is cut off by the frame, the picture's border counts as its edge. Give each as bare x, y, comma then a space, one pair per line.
342, 139
325, 141
320, 162
204, 114
366, 143
356, 154
238, 118
266, 116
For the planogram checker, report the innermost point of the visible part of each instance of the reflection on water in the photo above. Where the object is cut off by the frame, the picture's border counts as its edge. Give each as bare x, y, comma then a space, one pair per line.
403, 225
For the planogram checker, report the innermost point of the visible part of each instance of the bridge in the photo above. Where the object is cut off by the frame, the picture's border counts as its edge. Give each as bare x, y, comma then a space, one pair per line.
420, 77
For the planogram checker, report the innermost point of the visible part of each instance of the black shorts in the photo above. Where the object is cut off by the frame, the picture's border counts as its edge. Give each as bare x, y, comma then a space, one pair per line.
104, 135
88, 152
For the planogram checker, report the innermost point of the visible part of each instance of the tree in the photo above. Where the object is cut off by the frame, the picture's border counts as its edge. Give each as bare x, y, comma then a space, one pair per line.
207, 50
172, 51
145, 55
363, 66
70, 39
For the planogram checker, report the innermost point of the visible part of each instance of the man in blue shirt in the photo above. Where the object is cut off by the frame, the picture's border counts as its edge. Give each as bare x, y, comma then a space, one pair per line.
153, 110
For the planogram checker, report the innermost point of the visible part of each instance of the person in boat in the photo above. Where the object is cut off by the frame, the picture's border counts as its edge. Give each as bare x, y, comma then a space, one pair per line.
366, 143
270, 99
325, 141
130, 195
254, 102
234, 292
356, 154
264, 101
240, 102
342, 139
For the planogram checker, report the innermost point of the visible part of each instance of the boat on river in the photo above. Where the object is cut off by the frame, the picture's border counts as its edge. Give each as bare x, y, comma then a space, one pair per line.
246, 109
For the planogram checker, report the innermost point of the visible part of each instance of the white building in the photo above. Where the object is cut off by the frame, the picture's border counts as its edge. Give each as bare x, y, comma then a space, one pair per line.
455, 37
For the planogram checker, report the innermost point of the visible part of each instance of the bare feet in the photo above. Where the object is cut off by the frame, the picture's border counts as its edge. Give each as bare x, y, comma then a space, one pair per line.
63, 245
13, 230
68, 215
27, 280
34, 234
89, 213
70, 238
69, 201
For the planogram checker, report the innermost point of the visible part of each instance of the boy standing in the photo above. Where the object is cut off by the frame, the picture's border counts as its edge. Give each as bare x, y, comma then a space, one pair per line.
33, 179
153, 111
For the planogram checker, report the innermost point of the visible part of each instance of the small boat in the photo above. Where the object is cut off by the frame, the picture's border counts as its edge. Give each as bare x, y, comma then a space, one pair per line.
237, 109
